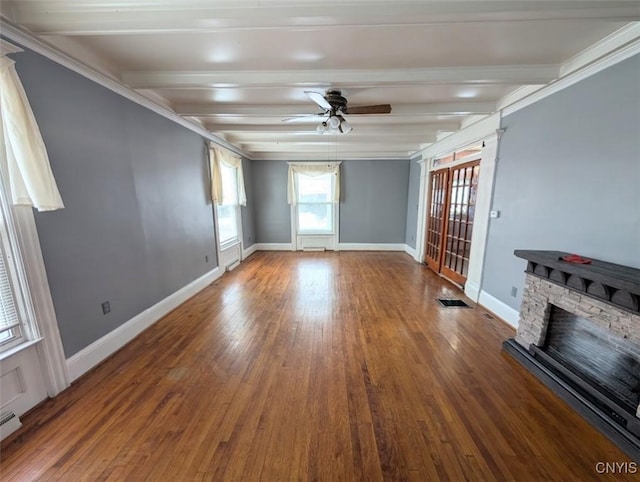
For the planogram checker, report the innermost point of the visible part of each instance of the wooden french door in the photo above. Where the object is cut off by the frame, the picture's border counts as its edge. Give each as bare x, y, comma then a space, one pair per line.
450, 220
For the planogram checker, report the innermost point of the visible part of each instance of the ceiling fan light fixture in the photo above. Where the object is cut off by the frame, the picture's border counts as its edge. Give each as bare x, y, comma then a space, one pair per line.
334, 122
345, 127
322, 128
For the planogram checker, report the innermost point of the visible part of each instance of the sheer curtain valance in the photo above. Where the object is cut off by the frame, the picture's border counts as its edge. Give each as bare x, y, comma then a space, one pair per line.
312, 170
25, 159
219, 159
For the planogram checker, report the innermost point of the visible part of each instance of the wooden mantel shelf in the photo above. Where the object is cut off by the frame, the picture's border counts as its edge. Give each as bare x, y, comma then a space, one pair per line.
612, 283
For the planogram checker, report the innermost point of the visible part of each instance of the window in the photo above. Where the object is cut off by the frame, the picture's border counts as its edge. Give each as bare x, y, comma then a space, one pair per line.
315, 209
228, 211
12, 307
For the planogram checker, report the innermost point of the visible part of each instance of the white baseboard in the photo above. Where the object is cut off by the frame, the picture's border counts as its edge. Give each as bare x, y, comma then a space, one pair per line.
272, 246
410, 251
90, 356
501, 309
371, 247
472, 291
249, 251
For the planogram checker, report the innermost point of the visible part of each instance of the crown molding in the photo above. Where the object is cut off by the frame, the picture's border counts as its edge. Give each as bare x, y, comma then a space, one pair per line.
617, 47
8, 48
29, 41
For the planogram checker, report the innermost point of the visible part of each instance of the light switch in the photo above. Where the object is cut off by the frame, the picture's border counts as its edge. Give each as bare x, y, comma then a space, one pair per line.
494, 214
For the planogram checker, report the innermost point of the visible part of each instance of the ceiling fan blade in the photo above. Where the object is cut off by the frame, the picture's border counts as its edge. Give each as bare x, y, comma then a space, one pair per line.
369, 109
308, 118
319, 99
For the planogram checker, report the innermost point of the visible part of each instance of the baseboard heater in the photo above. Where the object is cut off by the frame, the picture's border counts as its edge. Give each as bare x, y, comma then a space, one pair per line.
602, 414
9, 423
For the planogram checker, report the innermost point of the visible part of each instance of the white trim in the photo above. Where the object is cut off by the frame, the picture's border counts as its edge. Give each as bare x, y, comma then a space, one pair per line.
249, 251
484, 197
603, 47
464, 137
606, 61
27, 40
411, 251
230, 243
7, 48
472, 291
423, 195
372, 247
18, 348
50, 351
500, 309
272, 247
92, 355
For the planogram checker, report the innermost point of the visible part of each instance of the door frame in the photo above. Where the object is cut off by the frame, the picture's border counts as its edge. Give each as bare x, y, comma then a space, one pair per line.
486, 131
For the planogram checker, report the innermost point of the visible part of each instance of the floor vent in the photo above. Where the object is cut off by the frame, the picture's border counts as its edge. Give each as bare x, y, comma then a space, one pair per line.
489, 316
9, 423
453, 303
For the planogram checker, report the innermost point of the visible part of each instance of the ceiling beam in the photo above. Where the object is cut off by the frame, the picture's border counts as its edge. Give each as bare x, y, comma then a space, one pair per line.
486, 75
115, 18
439, 108
326, 145
353, 137
285, 128
324, 156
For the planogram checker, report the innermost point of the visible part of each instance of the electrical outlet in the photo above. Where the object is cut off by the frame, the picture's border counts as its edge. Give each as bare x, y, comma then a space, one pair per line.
106, 307
206, 259
514, 291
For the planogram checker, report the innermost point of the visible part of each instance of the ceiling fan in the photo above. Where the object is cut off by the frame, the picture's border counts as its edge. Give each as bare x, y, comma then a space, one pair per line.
334, 108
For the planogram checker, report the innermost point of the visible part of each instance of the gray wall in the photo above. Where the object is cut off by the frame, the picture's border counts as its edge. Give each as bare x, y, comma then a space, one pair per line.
272, 213
412, 203
373, 201
248, 219
137, 224
568, 178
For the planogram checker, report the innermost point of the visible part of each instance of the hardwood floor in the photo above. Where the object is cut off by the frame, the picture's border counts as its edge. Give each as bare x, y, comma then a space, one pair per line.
312, 366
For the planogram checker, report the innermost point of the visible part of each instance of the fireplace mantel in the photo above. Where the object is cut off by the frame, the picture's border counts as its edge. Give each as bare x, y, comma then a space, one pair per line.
611, 283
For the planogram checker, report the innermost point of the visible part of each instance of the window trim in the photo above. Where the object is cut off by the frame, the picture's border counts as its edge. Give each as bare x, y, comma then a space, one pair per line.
44, 330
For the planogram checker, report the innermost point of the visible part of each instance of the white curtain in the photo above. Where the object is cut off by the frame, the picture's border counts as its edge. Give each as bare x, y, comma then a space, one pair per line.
26, 161
219, 158
312, 170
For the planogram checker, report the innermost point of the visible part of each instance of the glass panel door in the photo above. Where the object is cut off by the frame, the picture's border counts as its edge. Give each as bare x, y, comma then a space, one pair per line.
463, 189
436, 217
450, 220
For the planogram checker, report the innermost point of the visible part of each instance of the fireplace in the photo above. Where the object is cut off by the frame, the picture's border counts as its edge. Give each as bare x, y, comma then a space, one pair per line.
579, 332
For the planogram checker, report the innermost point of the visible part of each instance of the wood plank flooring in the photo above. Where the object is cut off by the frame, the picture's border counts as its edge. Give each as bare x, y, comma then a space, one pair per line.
312, 366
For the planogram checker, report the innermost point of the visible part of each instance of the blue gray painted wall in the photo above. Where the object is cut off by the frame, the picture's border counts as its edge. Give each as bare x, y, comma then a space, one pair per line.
568, 177
373, 201
272, 213
137, 224
413, 195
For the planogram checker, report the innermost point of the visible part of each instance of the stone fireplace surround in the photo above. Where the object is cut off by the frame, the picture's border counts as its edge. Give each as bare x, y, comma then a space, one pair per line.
605, 294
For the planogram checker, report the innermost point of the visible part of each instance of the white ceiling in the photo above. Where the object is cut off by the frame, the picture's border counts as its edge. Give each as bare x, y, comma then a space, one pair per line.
238, 67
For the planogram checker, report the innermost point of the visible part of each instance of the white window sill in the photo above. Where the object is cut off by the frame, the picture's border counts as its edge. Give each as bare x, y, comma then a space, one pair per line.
18, 348
229, 244
315, 233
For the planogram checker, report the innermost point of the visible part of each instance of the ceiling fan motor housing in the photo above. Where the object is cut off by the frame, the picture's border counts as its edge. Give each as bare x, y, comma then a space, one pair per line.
334, 97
